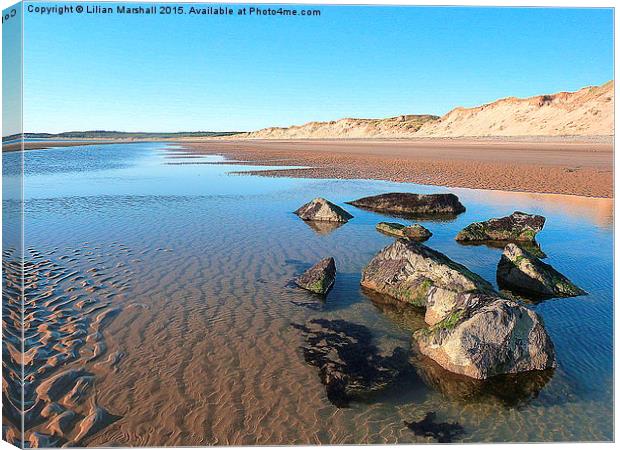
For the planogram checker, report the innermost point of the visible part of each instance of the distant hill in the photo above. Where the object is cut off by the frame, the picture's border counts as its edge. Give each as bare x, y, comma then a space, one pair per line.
101, 134
587, 112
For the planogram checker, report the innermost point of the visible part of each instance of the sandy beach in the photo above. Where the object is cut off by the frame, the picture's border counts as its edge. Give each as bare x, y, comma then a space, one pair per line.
558, 166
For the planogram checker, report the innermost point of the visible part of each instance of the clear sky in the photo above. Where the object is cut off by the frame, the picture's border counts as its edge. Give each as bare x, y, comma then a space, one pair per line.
189, 73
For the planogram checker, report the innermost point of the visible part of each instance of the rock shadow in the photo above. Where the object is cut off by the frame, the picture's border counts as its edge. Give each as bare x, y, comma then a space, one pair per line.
348, 362
443, 432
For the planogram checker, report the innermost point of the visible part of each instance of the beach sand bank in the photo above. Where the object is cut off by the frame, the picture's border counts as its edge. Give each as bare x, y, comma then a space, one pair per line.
545, 165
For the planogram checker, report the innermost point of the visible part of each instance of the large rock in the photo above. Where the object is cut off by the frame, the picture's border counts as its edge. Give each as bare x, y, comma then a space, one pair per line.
412, 204
492, 337
319, 278
520, 271
415, 232
323, 210
407, 271
516, 227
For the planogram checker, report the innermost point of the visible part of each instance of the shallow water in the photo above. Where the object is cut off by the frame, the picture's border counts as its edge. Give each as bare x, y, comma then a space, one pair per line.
200, 339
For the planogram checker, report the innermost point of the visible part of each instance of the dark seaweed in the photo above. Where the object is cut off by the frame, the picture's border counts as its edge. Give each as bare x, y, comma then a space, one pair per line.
349, 363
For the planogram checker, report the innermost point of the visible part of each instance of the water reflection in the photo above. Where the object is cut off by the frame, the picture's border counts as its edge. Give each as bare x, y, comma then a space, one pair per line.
531, 247
323, 227
511, 390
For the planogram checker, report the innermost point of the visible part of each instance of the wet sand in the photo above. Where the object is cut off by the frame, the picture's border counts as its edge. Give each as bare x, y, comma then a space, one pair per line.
558, 166
141, 328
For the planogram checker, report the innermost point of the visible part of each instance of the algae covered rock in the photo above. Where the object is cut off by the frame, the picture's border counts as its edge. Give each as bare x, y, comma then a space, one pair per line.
407, 271
412, 204
415, 232
319, 278
320, 209
520, 271
518, 226
494, 337
440, 304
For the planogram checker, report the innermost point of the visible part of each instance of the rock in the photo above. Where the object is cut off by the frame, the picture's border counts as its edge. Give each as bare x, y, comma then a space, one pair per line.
516, 227
414, 232
318, 278
412, 204
407, 271
494, 337
439, 305
323, 210
520, 271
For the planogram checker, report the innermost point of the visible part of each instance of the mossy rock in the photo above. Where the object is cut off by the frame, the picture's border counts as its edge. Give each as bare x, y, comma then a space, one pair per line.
523, 273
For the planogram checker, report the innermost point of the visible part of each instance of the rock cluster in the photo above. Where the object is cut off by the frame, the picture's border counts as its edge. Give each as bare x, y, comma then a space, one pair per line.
469, 329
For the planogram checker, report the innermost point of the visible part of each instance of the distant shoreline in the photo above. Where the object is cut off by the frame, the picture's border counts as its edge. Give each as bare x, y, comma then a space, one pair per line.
581, 167
570, 165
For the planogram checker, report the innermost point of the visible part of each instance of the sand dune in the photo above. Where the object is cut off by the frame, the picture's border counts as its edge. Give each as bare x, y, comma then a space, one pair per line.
347, 128
587, 112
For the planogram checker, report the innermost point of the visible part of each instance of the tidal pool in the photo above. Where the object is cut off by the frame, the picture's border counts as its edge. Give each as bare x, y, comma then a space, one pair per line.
165, 281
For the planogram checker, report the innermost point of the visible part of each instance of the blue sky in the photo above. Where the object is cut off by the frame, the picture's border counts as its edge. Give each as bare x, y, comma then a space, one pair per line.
186, 73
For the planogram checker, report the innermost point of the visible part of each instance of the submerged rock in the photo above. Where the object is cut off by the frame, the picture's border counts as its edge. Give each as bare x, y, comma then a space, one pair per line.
511, 390
323, 210
415, 232
520, 271
319, 278
412, 204
407, 271
490, 337
348, 362
443, 432
518, 226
